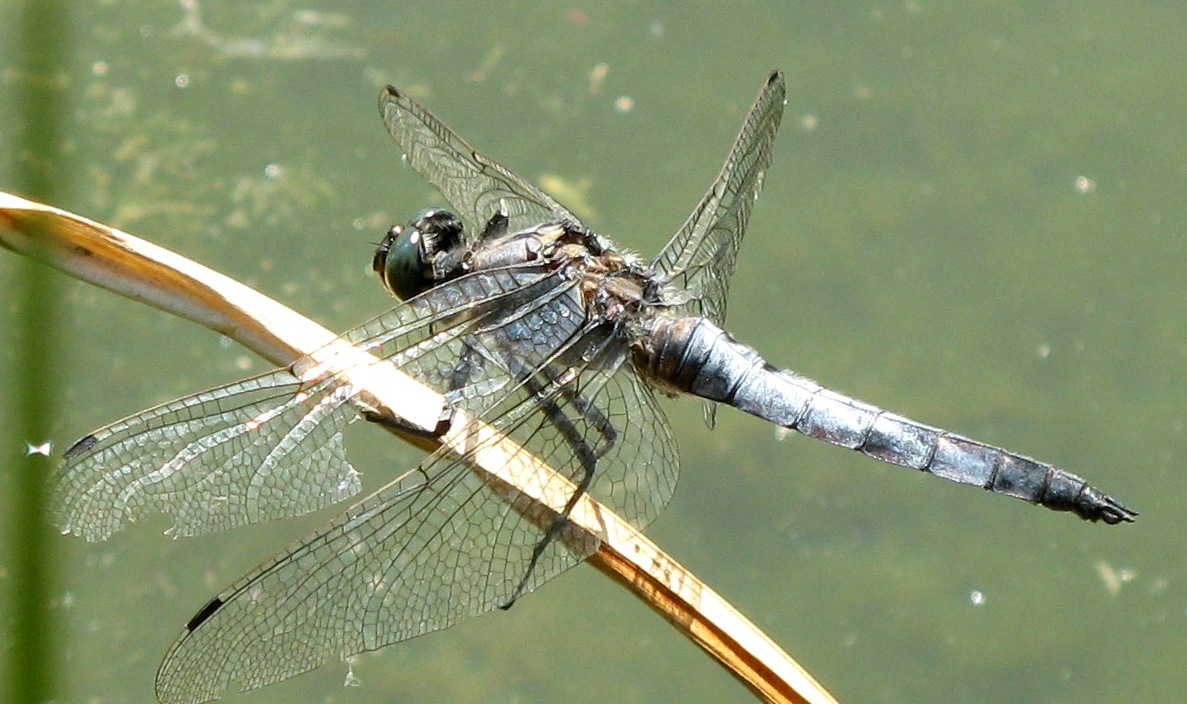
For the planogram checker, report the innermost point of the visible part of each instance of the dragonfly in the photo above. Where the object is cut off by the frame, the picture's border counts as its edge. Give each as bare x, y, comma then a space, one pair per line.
523, 318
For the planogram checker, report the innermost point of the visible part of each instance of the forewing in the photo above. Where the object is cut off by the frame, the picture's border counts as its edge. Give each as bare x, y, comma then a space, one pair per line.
270, 446
439, 543
476, 186
700, 257
259, 449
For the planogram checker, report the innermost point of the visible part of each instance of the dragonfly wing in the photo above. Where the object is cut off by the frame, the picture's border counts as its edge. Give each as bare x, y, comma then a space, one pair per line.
700, 257
475, 185
270, 446
255, 450
440, 543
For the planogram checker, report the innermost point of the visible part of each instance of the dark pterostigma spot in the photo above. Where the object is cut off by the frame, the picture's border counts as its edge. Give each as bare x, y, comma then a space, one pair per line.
81, 447
204, 613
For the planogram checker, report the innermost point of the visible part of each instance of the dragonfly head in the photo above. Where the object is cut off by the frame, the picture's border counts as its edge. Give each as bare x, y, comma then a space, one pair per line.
407, 259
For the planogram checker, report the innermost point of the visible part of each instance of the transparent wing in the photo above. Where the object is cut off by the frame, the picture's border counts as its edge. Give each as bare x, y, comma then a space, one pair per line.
513, 347
439, 543
700, 257
259, 449
476, 186
270, 446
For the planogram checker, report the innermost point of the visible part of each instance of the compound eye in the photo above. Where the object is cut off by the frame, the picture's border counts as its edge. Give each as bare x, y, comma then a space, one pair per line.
405, 258
401, 262
382, 249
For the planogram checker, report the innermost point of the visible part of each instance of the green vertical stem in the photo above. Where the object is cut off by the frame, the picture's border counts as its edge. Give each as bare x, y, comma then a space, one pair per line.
40, 32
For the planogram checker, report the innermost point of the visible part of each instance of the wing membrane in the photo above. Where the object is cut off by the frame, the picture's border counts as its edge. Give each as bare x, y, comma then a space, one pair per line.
205, 461
700, 257
475, 185
438, 544
270, 446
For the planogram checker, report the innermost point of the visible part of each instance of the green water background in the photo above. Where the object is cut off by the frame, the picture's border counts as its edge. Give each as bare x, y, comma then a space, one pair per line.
975, 218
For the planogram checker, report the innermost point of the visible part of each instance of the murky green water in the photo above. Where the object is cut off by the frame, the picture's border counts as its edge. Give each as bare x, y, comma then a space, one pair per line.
975, 218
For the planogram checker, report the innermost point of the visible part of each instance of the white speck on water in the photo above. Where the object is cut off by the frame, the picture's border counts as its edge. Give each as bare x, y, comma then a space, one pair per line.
39, 448
1085, 185
351, 680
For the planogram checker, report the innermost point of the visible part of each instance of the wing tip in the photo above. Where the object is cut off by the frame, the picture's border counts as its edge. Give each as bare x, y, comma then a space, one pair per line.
81, 447
389, 95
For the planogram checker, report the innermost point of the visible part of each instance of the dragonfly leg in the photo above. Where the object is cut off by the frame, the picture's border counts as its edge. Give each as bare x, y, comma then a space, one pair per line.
469, 363
586, 455
383, 416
